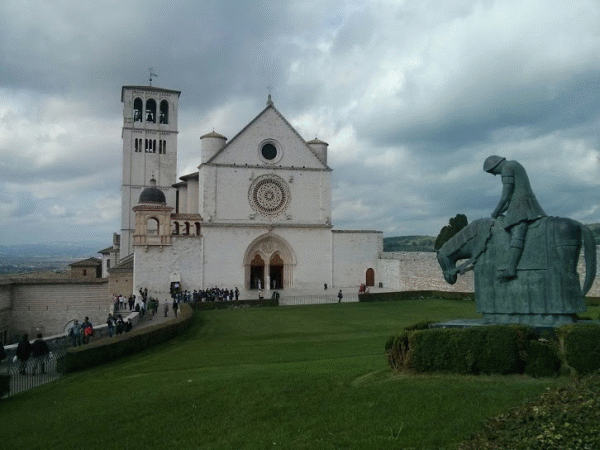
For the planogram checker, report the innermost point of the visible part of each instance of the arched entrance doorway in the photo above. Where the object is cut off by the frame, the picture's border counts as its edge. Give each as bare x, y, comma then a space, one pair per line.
370, 278
270, 259
257, 273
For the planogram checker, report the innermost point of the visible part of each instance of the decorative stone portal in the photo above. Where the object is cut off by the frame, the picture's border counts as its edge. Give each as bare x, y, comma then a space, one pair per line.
269, 263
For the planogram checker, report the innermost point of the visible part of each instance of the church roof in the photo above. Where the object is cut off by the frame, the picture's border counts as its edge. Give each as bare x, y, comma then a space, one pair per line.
213, 134
125, 265
269, 106
107, 250
317, 141
86, 262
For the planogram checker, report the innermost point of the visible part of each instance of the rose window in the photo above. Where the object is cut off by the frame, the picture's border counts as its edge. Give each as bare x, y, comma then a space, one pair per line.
269, 195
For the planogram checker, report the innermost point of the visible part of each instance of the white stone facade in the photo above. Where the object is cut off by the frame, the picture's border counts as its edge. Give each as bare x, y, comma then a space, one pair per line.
257, 214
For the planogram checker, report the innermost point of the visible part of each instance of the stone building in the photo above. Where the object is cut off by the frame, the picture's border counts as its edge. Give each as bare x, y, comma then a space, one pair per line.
256, 214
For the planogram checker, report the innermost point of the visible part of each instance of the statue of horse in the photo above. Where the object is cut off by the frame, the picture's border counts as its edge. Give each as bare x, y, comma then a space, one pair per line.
546, 291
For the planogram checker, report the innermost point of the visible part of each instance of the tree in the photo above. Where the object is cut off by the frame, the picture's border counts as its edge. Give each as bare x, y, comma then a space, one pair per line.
455, 224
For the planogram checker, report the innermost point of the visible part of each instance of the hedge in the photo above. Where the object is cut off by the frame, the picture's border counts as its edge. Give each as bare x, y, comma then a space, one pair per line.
203, 306
580, 346
501, 349
490, 349
109, 349
412, 295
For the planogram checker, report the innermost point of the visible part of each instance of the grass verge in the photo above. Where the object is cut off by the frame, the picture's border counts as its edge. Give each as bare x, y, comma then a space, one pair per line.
307, 377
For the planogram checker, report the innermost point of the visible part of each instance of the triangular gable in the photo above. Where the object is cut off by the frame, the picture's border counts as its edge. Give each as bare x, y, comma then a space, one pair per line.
296, 151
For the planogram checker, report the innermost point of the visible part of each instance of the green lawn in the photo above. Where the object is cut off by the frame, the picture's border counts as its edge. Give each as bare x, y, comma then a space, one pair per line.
306, 377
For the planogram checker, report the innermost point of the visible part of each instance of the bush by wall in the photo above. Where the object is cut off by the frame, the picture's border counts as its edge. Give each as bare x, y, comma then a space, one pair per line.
105, 350
542, 359
4, 384
580, 346
501, 349
204, 306
412, 295
490, 349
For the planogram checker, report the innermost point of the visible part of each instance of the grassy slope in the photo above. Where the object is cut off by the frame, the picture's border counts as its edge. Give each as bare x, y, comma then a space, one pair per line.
310, 377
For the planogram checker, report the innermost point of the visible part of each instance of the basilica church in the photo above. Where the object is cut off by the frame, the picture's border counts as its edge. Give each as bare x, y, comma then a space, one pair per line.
255, 215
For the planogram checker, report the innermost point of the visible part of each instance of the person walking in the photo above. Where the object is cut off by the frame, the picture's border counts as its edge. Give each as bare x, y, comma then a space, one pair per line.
166, 308
75, 333
110, 322
175, 307
40, 352
87, 330
23, 352
340, 296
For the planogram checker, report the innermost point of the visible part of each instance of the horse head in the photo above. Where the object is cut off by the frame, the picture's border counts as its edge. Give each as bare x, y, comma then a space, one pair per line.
469, 243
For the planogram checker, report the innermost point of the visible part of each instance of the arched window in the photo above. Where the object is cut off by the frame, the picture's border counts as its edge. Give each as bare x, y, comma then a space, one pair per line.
164, 147
197, 228
160, 147
187, 229
151, 110
137, 110
164, 112
152, 227
175, 227
136, 145
154, 146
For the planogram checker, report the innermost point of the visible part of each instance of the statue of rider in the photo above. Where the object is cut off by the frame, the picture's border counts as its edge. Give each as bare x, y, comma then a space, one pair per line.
518, 204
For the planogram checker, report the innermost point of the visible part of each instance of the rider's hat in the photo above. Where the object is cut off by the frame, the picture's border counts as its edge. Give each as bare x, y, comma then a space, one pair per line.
491, 162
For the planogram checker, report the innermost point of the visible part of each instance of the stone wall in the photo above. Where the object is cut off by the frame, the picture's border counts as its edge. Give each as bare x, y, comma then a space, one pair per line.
353, 253
47, 306
5, 312
415, 271
420, 271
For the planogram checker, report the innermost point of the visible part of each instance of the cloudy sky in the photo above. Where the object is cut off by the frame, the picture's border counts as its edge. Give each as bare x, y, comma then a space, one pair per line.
412, 96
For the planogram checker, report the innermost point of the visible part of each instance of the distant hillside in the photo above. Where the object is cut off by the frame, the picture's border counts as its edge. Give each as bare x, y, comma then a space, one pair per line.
408, 244
426, 243
34, 257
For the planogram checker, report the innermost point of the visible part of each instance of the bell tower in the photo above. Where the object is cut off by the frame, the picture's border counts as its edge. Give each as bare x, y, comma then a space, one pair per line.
149, 150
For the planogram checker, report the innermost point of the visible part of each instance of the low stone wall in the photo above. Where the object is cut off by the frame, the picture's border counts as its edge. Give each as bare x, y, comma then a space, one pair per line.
420, 271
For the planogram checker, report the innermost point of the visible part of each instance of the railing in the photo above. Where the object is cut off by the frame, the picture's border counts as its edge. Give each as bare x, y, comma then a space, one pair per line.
316, 299
37, 371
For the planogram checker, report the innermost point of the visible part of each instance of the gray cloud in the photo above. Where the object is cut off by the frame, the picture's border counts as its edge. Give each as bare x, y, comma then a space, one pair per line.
411, 97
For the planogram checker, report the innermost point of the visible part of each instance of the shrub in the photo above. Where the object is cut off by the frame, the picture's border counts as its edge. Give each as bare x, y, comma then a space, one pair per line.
424, 325
4, 384
580, 346
413, 295
542, 359
564, 418
396, 349
491, 349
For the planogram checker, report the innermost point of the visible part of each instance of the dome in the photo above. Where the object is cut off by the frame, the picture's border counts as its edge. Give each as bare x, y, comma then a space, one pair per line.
152, 194
213, 134
317, 141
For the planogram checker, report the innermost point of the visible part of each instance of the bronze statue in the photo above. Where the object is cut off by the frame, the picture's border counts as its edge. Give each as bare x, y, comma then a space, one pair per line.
525, 263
